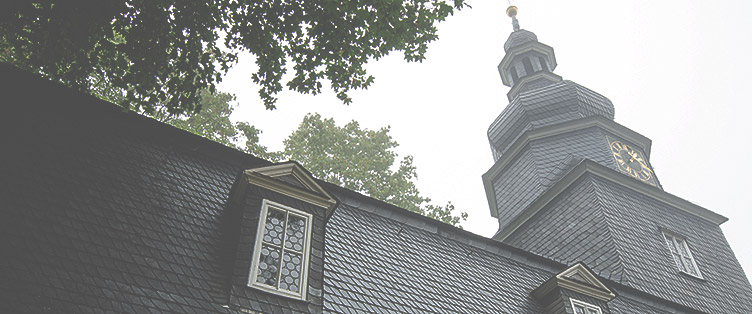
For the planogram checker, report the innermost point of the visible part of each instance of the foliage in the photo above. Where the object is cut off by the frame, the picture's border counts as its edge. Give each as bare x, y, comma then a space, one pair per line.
444, 213
213, 122
362, 160
153, 51
349, 156
250, 135
147, 52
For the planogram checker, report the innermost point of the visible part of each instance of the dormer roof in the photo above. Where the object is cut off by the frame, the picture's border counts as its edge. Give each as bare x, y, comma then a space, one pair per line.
577, 278
291, 179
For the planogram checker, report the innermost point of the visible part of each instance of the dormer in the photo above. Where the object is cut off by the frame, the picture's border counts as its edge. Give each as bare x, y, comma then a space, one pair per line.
276, 219
575, 290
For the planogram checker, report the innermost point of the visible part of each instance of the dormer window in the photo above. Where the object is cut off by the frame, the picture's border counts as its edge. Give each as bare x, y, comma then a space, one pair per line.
280, 261
580, 307
679, 249
577, 281
277, 216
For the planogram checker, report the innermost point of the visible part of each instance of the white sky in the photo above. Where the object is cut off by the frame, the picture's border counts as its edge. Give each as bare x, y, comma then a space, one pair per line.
675, 71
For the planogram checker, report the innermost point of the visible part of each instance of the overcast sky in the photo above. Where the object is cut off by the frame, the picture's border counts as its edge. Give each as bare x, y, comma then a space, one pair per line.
676, 71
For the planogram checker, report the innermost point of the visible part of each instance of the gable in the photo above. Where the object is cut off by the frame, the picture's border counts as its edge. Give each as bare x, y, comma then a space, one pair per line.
580, 279
290, 179
575, 285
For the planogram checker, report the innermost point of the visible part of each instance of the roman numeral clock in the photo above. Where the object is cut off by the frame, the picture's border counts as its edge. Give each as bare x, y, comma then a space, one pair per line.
631, 161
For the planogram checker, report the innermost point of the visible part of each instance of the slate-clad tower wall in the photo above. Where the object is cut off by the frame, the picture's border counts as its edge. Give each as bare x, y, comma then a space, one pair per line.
572, 185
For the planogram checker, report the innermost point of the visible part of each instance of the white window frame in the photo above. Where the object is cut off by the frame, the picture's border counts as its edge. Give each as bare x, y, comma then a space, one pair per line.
266, 204
587, 306
687, 260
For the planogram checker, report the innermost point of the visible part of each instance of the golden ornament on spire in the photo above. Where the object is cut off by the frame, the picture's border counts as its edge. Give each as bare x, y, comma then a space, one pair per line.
512, 11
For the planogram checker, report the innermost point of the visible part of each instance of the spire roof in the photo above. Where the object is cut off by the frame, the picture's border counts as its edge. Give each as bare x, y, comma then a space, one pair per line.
527, 63
518, 38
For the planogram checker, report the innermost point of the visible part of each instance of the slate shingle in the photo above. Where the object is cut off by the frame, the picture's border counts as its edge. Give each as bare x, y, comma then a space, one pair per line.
556, 103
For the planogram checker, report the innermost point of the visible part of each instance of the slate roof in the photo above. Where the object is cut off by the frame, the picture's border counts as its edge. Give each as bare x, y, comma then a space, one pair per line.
518, 38
725, 288
105, 211
377, 265
540, 164
556, 103
617, 232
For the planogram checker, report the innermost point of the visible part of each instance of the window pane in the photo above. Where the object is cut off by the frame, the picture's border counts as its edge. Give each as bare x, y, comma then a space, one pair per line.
268, 265
291, 265
273, 230
679, 262
681, 254
670, 243
295, 235
592, 311
689, 266
281, 247
683, 248
579, 309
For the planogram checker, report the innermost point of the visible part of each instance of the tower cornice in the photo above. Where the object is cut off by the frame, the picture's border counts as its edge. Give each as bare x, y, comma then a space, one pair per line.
590, 167
553, 130
548, 77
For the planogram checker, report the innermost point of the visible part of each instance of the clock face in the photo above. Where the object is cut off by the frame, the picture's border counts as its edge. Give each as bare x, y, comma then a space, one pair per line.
631, 161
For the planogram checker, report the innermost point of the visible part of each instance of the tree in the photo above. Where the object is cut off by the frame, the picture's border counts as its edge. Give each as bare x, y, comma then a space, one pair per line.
350, 156
362, 160
213, 122
159, 52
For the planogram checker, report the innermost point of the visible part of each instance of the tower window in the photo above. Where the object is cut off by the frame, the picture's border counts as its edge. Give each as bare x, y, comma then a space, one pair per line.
528, 66
580, 307
543, 63
679, 249
515, 77
280, 256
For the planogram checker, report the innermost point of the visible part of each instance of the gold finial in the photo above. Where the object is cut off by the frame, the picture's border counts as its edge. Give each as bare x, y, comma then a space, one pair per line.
512, 11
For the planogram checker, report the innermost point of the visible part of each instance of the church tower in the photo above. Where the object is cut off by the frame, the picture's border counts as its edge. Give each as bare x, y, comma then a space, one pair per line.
570, 184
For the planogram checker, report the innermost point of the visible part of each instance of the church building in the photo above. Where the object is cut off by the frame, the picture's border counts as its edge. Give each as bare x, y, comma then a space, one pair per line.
107, 211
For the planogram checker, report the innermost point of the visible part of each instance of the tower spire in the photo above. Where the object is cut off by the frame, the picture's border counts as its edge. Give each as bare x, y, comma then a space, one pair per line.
527, 64
512, 12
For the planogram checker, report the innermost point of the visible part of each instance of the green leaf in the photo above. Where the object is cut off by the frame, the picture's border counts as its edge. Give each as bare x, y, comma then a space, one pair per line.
144, 49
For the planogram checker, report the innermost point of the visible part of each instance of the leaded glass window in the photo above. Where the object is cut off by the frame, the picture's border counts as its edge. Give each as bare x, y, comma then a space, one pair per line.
280, 260
580, 307
681, 255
